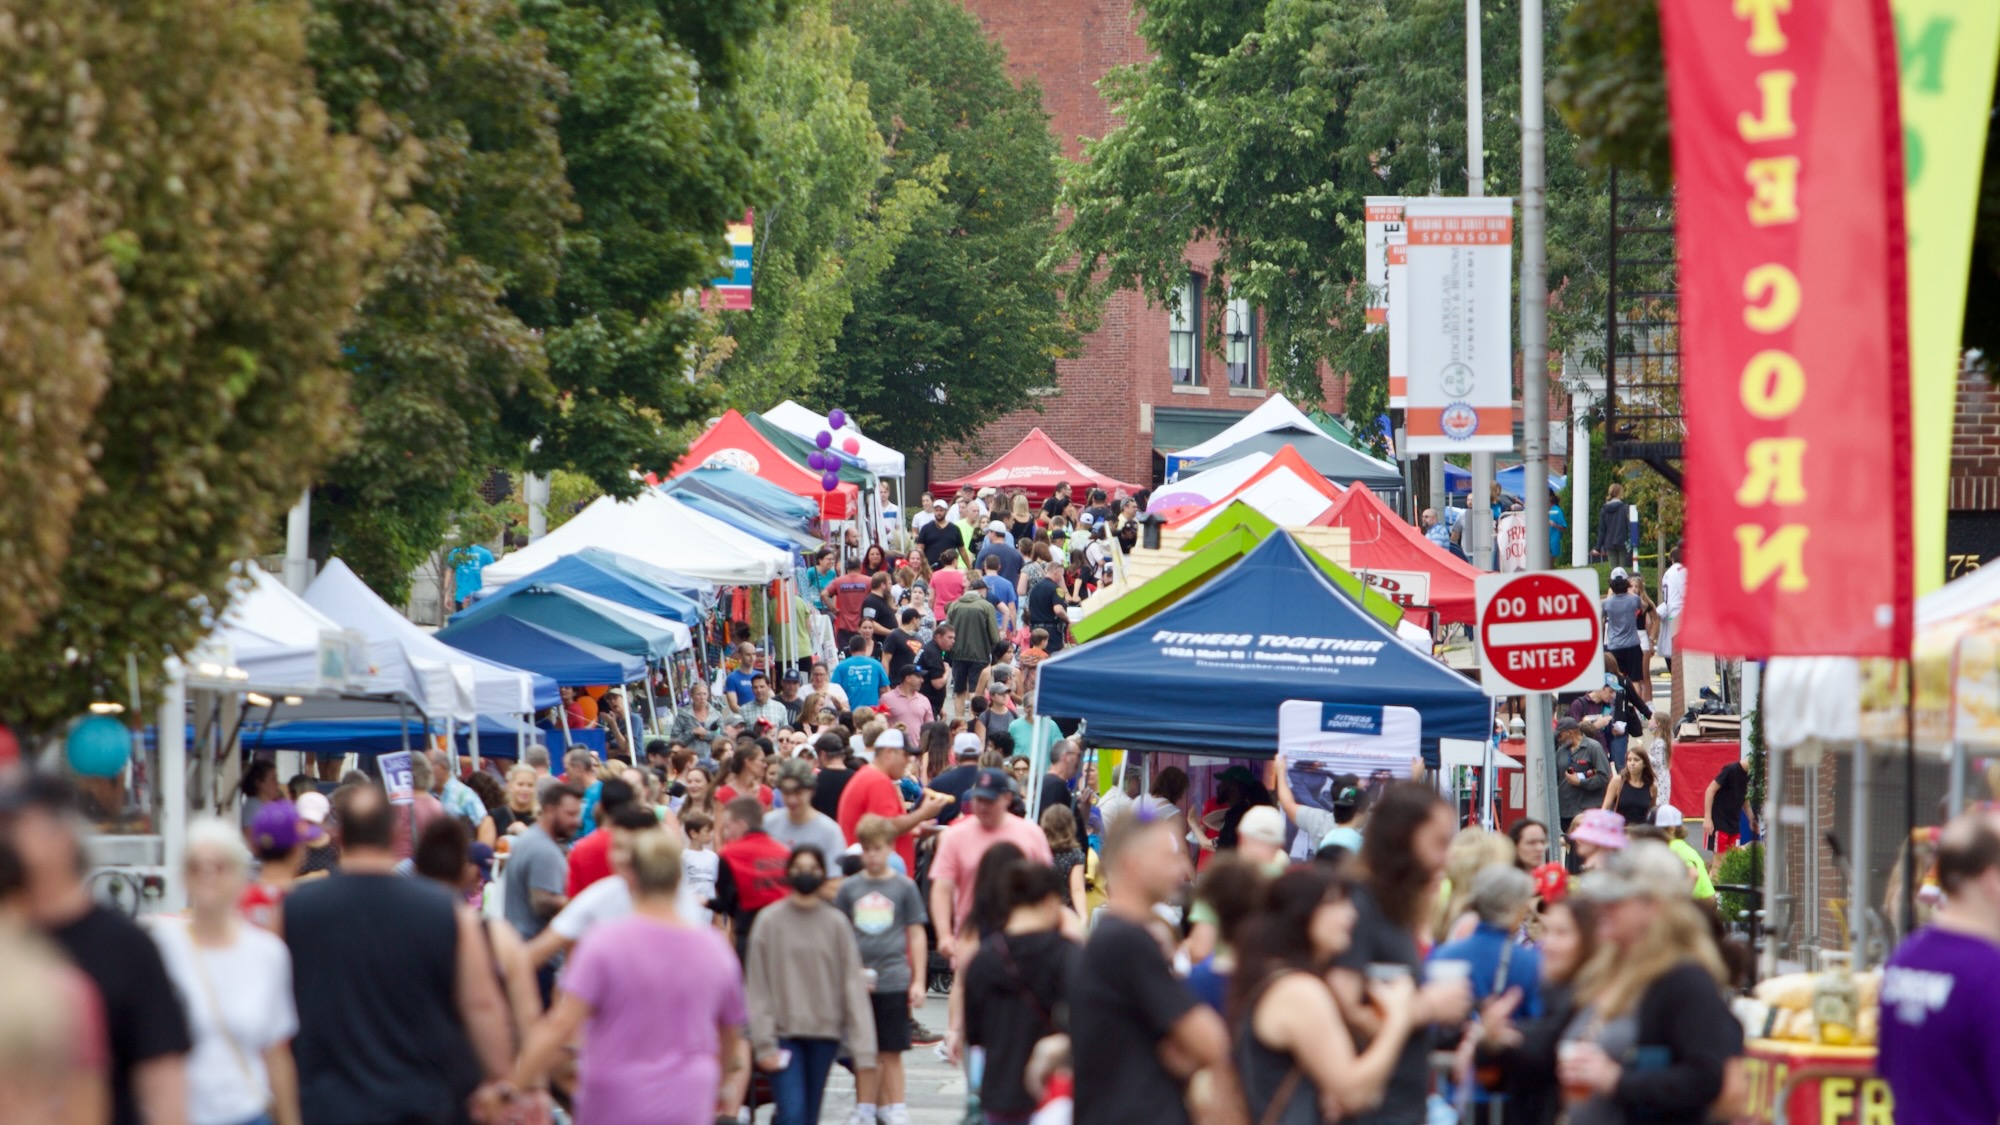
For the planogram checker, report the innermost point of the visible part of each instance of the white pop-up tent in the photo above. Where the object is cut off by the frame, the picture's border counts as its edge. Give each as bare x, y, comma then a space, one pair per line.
275, 637
487, 688
792, 418
654, 528
1274, 413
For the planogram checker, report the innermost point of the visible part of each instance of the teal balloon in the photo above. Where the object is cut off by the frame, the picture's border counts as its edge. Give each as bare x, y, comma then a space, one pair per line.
98, 746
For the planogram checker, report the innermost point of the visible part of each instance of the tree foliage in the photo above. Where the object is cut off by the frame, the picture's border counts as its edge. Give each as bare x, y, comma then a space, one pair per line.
236, 229
448, 382
1263, 124
967, 319
828, 221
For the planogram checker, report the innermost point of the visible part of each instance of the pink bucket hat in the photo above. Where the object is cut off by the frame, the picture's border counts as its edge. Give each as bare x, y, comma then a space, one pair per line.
1602, 827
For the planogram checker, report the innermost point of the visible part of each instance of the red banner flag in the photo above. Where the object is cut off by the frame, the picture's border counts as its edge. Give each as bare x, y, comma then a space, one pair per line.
1788, 166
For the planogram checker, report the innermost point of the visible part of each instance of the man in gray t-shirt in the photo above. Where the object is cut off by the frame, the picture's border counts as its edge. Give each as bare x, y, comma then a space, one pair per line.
1621, 617
798, 822
537, 874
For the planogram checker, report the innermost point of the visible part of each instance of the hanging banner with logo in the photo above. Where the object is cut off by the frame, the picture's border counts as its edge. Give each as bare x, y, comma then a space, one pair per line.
732, 290
1459, 278
1381, 216
1947, 50
1398, 256
1788, 167
1322, 740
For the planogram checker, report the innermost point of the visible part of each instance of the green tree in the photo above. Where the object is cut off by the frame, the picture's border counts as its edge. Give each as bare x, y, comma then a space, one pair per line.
828, 221
660, 150
239, 230
448, 381
967, 320
1262, 124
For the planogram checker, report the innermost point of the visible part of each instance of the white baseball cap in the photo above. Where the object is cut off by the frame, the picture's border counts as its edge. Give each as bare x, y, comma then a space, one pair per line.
1264, 824
1667, 816
997, 527
966, 745
890, 740
1619, 572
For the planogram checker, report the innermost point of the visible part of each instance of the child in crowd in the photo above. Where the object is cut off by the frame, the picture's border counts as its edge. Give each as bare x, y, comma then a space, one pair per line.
888, 915
1028, 659
700, 865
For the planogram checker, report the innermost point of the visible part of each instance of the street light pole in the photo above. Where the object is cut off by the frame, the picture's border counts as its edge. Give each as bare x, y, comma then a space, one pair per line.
1478, 509
1535, 371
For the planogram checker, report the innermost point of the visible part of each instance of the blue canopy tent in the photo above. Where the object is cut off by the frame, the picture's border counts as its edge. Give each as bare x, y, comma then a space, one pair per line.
1514, 480
1207, 675
744, 518
701, 593
779, 506
573, 613
569, 661
500, 736
600, 577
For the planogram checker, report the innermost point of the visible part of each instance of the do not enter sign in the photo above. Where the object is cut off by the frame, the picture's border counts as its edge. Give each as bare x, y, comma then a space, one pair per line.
1539, 632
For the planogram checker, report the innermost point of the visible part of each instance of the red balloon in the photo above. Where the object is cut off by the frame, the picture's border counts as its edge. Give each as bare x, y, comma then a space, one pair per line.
851, 445
10, 748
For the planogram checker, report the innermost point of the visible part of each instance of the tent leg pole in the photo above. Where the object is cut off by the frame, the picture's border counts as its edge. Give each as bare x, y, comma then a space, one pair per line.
631, 732
475, 744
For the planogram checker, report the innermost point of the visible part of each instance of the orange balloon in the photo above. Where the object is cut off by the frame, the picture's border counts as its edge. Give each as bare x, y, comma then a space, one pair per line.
596, 692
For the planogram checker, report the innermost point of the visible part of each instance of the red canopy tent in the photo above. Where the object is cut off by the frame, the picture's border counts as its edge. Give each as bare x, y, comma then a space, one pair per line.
1379, 540
733, 443
1287, 490
1036, 465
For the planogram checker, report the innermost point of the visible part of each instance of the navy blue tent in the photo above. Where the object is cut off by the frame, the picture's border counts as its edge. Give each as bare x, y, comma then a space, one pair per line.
593, 576
569, 661
1207, 674
499, 736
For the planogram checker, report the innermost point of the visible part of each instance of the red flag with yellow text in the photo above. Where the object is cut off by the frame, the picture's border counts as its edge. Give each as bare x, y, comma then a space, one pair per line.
1788, 170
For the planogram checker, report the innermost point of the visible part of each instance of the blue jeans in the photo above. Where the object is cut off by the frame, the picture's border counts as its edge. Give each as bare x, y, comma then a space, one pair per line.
799, 1087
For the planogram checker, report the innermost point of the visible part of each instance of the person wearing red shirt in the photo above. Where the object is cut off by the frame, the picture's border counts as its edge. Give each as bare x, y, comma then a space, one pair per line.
874, 790
847, 593
755, 864
744, 777
590, 859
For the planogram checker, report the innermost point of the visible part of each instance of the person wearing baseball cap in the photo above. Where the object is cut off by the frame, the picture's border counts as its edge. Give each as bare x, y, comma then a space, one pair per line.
800, 823
990, 801
965, 751
1582, 771
1673, 825
999, 545
322, 854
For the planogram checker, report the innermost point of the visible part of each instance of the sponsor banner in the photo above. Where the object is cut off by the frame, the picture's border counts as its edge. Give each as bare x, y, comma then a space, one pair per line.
1789, 181
1381, 217
1947, 50
1322, 741
1459, 282
1399, 334
732, 290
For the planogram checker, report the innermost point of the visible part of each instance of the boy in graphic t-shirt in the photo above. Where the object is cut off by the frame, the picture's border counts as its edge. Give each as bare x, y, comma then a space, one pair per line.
887, 911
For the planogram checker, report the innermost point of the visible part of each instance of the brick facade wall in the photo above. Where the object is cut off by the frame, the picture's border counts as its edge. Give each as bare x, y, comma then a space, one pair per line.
1975, 444
1066, 46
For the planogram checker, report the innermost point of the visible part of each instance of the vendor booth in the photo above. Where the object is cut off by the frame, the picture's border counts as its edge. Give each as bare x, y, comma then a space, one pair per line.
1341, 464
1036, 465
590, 572
1197, 490
1208, 674
1387, 552
803, 423
750, 493
588, 617
1274, 413
660, 530
734, 443
1287, 490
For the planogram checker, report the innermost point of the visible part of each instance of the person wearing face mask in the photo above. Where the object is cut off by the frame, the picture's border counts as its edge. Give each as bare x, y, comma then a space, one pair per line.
806, 991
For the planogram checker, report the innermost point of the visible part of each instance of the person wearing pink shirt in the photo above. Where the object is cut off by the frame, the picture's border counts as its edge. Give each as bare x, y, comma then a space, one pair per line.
905, 706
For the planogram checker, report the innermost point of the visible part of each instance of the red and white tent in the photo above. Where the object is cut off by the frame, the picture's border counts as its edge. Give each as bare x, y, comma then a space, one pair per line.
1036, 465
733, 443
1287, 490
1379, 541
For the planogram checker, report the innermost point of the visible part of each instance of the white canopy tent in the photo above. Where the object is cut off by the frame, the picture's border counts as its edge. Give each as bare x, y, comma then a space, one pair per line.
657, 529
795, 419
1274, 413
1210, 486
491, 689
274, 636
1285, 497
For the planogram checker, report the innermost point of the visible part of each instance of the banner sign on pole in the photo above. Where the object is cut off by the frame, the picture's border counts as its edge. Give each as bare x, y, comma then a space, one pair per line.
1794, 372
732, 290
1381, 216
396, 777
1461, 340
1539, 632
1399, 333
1948, 49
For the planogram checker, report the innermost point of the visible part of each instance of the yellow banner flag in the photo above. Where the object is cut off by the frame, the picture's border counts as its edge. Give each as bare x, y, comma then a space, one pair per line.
1946, 50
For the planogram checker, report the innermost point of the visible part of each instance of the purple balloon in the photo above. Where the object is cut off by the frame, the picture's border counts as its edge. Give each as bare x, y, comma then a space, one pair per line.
836, 418
812, 461
830, 481
824, 440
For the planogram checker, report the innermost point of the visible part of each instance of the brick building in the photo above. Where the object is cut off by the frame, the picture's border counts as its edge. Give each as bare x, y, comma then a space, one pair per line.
1144, 381
1972, 529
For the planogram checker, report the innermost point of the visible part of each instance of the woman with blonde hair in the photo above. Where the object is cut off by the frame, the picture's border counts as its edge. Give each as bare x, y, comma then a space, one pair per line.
1020, 518
1654, 1037
1471, 851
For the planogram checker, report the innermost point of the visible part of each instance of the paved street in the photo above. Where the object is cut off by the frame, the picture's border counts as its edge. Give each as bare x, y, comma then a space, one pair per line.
936, 1094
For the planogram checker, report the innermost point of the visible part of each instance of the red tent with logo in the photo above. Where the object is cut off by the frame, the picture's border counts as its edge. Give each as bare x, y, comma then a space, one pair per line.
733, 443
1381, 547
1036, 465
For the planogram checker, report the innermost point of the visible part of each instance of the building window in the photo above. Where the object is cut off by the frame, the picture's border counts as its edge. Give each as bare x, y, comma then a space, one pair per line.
1184, 334
1239, 341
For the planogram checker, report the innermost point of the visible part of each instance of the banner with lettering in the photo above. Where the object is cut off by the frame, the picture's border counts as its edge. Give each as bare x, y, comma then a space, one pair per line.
1399, 332
1947, 50
1381, 216
1459, 275
1795, 378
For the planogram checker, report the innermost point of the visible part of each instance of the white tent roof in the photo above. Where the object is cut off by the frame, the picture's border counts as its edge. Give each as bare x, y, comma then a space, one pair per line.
1274, 413
274, 635
792, 418
655, 528
1286, 498
486, 688
1211, 485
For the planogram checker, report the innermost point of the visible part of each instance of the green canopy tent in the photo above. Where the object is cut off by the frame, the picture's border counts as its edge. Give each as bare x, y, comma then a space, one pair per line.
1217, 547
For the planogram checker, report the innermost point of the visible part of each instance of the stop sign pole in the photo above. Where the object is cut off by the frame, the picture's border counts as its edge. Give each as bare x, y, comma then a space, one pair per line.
1539, 633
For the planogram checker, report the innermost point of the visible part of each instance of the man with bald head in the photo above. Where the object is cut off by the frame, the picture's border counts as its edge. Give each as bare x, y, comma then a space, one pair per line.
1941, 989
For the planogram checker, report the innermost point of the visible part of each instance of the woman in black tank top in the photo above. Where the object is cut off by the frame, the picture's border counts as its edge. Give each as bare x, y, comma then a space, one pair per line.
1630, 793
1296, 1055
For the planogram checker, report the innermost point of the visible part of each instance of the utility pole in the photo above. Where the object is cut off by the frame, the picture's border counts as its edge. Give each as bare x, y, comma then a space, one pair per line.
298, 544
1535, 372
1478, 511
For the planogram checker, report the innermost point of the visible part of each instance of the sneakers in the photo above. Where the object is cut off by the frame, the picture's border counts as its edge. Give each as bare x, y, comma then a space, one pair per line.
859, 1116
921, 1036
894, 1115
